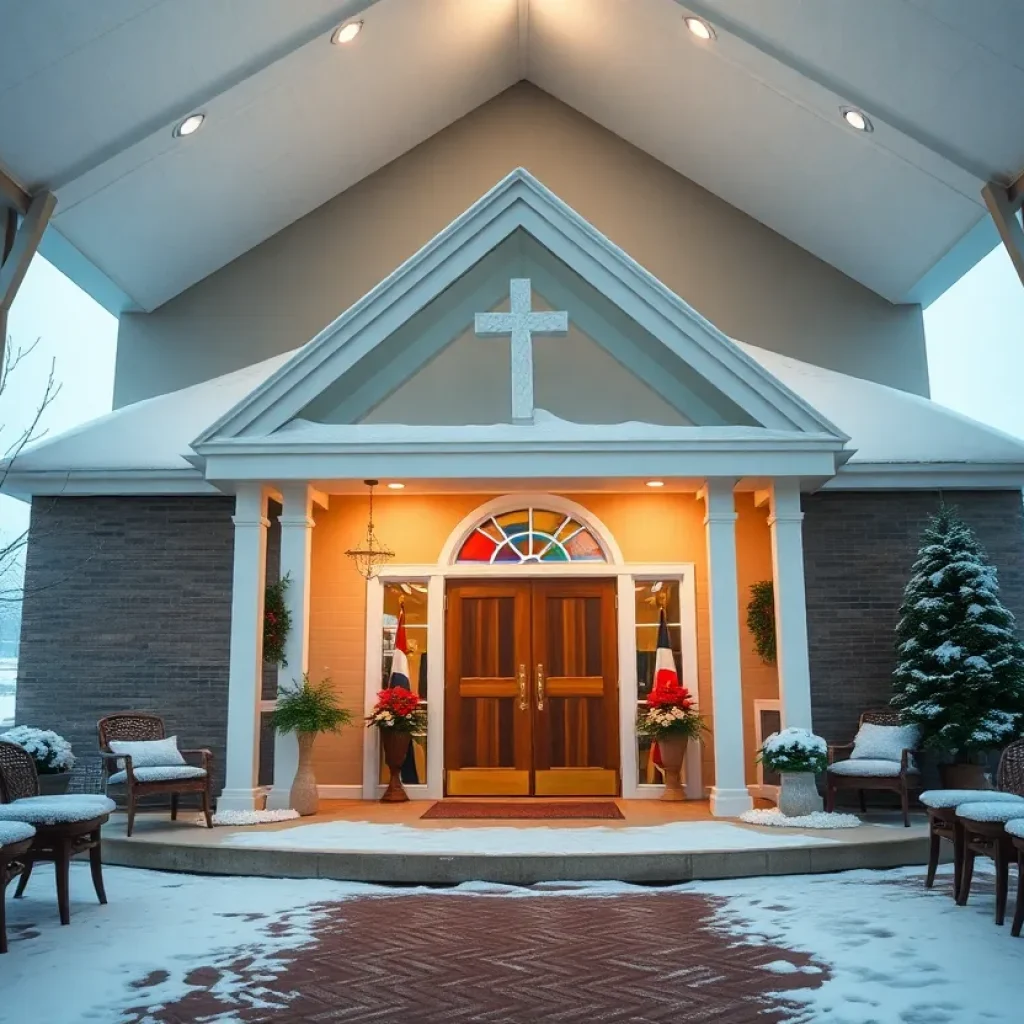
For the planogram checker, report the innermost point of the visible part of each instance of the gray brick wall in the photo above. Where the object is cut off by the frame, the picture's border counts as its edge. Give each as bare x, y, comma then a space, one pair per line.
128, 606
859, 547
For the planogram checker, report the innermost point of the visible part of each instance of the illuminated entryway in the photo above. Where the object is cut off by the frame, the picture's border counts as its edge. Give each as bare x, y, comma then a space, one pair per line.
534, 646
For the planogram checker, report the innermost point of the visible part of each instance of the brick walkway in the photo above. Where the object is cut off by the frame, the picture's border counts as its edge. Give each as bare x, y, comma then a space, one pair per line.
448, 959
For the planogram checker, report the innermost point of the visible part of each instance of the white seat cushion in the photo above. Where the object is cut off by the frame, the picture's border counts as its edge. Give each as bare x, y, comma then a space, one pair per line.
15, 832
167, 774
956, 797
1015, 828
992, 810
56, 810
884, 742
868, 766
149, 753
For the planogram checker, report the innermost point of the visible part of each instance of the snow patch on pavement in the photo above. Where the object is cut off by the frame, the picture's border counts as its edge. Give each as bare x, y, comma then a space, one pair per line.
898, 953
373, 837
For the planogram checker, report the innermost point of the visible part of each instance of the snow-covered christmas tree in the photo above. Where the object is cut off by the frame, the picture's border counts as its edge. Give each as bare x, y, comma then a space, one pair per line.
959, 664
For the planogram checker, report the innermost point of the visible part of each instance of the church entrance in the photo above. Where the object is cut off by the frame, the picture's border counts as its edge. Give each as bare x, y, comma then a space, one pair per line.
531, 688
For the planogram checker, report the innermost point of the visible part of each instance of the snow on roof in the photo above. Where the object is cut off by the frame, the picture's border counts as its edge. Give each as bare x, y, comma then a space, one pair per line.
886, 425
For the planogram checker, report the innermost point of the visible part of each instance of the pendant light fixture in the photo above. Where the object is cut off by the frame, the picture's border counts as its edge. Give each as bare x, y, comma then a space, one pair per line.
373, 554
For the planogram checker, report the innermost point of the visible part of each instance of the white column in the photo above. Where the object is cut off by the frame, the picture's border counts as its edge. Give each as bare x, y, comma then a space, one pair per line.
296, 550
729, 795
785, 521
246, 650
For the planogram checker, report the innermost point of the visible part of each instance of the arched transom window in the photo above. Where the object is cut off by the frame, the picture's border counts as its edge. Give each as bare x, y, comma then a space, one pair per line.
530, 535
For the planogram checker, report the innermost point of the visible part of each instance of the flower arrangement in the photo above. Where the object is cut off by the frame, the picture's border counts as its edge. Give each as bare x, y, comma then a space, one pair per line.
398, 710
794, 750
670, 714
309, 708
277, 621
50, 751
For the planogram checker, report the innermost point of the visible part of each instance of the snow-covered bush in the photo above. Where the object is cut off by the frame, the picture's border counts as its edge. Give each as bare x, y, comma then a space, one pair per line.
51, 752
794, 750
959, 663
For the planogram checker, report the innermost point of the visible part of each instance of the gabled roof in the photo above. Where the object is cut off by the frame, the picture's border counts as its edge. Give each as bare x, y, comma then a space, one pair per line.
752, 115
900, 439
518, 202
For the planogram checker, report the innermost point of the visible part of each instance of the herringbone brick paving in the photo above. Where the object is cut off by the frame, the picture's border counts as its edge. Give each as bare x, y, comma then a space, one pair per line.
504, 959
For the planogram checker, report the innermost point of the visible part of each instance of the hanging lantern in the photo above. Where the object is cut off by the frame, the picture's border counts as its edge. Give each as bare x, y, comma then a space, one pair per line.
372, 554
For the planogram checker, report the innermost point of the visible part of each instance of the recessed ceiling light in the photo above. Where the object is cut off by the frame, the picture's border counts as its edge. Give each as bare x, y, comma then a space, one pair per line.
700, 28
346, 33
856, 119
655, 483
189, 126
396, 486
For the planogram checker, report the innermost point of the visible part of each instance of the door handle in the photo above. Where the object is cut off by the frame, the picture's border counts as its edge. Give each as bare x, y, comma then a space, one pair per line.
523, 703
540, 686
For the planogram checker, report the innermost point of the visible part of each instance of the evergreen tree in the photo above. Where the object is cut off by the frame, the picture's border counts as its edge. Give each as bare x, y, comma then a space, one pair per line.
959, 664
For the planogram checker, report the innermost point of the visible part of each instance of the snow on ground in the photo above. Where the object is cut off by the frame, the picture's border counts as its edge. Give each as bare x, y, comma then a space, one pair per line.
373, 837
900, 954
895, 952
6, 709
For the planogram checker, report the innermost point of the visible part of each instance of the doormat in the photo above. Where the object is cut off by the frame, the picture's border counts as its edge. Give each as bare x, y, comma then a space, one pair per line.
511, 811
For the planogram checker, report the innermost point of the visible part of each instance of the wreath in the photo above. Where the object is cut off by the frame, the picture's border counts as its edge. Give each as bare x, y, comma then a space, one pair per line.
761, 619
277, 622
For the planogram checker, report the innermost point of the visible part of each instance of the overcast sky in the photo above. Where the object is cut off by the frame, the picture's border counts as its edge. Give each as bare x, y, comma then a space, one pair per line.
975, 336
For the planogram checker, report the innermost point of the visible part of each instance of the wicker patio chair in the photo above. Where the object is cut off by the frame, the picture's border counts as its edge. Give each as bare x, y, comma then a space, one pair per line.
900, 777
1015, 830
64, 825
143, 782
981, 829
15, 841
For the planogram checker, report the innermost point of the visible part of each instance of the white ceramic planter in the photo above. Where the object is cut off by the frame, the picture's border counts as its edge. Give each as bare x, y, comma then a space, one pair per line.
798, 794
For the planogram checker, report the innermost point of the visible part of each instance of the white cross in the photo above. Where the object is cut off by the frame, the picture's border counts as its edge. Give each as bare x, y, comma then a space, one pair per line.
521, 323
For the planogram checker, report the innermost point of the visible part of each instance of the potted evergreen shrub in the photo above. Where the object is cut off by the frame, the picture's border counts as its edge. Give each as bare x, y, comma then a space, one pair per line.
798, 756
51, 753
959, 663
396, 716
671, 721
308, 709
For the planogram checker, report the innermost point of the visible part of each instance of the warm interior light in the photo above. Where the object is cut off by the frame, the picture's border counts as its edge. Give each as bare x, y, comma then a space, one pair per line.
346, 33
857, 119
396, 486
190, 125
700, 28
655, 483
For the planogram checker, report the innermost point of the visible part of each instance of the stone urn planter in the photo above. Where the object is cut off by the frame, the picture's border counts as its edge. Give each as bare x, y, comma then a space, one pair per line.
673, 754
54, 783
798, 794
307, 709
396, 749
304, 796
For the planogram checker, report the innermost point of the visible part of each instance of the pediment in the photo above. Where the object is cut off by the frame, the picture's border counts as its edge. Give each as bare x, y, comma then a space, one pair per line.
414, 351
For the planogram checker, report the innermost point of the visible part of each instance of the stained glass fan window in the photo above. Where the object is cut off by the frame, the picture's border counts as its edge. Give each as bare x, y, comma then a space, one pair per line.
531, 535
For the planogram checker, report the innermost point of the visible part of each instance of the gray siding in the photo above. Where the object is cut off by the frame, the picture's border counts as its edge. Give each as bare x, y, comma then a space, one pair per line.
858, 551
728, 266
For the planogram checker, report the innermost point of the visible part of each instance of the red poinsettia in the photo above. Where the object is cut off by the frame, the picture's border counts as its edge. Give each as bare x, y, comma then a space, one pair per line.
397, 708
672, 694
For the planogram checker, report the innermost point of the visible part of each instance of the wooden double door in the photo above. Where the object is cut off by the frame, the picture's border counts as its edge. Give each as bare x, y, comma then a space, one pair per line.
531, 688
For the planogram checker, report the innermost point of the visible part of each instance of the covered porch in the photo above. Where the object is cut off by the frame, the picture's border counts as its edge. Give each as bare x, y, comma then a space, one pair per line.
691, 547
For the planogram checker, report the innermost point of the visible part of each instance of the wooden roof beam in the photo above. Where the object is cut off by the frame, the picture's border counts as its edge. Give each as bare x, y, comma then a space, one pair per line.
13, 195
1004, 204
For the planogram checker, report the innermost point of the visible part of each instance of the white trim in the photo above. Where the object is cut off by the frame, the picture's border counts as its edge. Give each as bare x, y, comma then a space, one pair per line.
333, 792
372, 682
760, 789
435, 686
514, 502
518, 201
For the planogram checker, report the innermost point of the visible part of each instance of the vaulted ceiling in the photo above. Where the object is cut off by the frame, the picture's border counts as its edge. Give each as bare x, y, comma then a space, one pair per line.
90, 94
